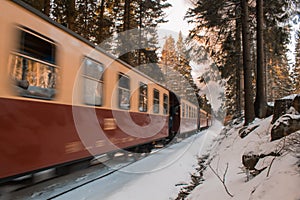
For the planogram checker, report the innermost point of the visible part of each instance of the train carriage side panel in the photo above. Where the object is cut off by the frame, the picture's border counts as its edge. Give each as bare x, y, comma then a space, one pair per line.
38, 133
188, 117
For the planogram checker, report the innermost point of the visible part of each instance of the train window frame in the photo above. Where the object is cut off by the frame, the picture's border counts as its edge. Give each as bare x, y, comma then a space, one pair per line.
92, 73
123, 91
165, 104
156, 100
187, 111
193, 112
35, 74
143, 97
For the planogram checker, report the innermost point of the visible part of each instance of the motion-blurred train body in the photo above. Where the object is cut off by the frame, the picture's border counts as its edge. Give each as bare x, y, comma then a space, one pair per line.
64, 100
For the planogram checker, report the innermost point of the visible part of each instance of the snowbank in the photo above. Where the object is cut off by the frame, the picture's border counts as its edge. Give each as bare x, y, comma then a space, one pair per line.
280, 179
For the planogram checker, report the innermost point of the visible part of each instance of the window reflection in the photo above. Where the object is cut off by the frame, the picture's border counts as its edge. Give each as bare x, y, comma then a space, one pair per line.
33, 66
32, 78
143, 100
166, 104
155, 101
124, 92
93, 82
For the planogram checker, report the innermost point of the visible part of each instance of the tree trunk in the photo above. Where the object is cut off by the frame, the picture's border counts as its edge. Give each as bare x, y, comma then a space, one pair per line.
248, 95
126, 26
140, 32
71, 15
238, 43
260, 100
47, 7
126, 15
101, 22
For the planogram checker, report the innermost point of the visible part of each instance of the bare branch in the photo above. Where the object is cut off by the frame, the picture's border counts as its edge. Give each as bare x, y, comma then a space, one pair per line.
268, 173
222, 180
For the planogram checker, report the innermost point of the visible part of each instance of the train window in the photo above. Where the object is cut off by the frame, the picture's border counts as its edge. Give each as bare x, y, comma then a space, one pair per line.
124, 92
155, 101
33, 66
34, 45
183, 110
186, 111
166, 104
193, 112
143, 100
93, 82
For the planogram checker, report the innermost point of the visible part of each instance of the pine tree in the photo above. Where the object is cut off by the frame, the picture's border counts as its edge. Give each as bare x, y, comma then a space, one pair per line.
104, 22
71, 15
182, 65
100, 20
260, 103
189, 89
279, 81
177, 70
145, 16
168, 62
218, 28
248, 95
59, 11
276, 37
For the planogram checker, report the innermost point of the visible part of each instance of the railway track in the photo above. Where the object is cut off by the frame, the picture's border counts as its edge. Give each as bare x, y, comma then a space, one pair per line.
57, 186
87, 182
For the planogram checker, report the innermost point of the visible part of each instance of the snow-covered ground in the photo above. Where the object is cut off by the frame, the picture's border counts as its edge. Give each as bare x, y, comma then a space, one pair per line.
162, 175
280, 181
154, 177
166, 173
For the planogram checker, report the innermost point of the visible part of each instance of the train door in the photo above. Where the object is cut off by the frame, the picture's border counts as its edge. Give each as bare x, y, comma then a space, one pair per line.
174, 115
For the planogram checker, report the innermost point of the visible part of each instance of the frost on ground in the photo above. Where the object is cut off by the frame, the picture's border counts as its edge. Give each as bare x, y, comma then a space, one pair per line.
278, 168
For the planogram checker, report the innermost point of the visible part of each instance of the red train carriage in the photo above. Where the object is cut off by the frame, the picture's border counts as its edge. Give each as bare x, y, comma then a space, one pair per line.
204, 119
189, 117
62, 100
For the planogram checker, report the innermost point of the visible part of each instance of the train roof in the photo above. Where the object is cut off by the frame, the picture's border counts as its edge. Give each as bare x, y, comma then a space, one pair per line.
82, 39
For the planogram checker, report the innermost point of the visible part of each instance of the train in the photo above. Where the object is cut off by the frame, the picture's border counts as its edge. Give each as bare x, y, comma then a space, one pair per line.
64, 100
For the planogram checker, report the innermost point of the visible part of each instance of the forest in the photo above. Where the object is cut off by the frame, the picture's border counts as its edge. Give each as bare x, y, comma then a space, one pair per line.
247, 40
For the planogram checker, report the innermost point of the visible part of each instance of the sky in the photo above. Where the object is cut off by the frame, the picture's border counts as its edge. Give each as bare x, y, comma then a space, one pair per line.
175, 15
